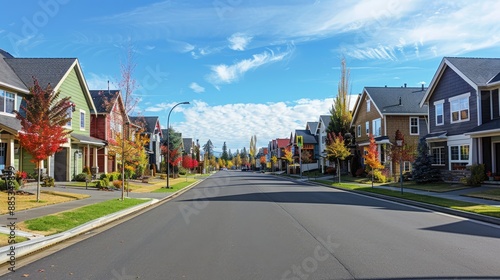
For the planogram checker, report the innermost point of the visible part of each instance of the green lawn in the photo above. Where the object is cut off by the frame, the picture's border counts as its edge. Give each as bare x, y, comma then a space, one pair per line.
67, 220
434, 187
454, 204
4, 239
174, 187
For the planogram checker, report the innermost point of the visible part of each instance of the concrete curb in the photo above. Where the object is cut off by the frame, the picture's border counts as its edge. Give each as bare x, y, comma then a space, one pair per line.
30, 246
446, 210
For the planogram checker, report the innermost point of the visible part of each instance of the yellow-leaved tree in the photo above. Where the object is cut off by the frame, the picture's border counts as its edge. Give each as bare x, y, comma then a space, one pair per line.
336, 149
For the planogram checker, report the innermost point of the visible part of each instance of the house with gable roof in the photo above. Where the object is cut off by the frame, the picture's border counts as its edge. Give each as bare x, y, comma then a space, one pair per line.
153, 131
310, 149
64, 75
324, 121
277, 148
381, 111
106, 124
464, 115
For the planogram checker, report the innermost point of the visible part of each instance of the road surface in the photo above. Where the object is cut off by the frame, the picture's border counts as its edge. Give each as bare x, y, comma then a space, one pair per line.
242, 225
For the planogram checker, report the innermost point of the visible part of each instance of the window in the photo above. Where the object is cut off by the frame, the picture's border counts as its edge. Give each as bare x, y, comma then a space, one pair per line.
367, 128
359, 130
82, 120
406, 166
7, 102
459, 157
460, 108
69, 113
414, 126
438, 154
438, 105
377, 129
368, 105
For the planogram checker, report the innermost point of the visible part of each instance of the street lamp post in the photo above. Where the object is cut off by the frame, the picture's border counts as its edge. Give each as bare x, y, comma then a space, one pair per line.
168, 142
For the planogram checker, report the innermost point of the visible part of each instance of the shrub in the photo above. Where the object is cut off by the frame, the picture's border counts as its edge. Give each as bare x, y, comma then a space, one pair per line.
163, 176
117, 184
477, 175
86, 170
378, 176
103, 175
48, 182
3, 185
104, 183
82, 177
182, 172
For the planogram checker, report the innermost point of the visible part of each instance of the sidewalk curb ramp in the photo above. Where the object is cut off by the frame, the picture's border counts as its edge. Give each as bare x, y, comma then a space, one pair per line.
30, 246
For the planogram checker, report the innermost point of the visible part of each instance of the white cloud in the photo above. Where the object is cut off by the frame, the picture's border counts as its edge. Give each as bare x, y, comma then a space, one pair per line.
239, 41
196, 88
236, 123
227, 74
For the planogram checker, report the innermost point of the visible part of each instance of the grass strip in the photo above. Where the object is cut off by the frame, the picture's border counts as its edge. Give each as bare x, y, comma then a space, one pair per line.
174, 187
488, 194
69, 219
4, 239
449, 203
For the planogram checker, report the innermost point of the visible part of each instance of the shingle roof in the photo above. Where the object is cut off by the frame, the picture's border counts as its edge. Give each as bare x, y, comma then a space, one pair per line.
282, 142
45, 70
325, 119
313, 126
387, 99
103, 97
7, 75
479, 70
307, 136
10, 122
491, 125
150, 124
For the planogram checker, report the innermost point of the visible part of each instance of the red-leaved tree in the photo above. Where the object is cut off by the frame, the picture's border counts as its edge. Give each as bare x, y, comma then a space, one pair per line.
43, 117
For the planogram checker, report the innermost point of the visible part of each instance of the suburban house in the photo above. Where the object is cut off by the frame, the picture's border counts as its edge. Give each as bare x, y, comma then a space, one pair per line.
187, 146
64, 75
464, 115
381, 111
153, 131
107, 122
309, 150
277, 148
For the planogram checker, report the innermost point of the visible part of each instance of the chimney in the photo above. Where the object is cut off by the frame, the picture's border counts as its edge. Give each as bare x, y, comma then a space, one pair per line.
400, 101
405, 84
422, 87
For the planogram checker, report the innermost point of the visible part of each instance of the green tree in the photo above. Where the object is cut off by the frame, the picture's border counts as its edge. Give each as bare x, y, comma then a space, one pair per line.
43, 117
225, 155
423, 172
336, 149
341, 117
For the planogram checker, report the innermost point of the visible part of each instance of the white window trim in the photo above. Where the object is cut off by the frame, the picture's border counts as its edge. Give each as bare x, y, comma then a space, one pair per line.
84, 114
2, 110
375, 132
405, 164
455, 98
418, 126
439, 102
69, 124
367, 128
359, 130
443, 160
368, 105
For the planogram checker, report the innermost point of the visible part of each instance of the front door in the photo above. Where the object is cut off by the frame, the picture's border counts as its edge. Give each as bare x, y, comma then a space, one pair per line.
497, 159
60, 165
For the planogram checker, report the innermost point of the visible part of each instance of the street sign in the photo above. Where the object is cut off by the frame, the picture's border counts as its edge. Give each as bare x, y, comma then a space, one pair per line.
300, 141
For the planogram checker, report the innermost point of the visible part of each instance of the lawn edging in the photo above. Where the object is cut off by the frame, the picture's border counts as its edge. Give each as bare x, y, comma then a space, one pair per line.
437, 208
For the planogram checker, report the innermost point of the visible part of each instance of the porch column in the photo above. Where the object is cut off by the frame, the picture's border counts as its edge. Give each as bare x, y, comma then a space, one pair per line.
106, 159
87, 156
9, 157
95, 163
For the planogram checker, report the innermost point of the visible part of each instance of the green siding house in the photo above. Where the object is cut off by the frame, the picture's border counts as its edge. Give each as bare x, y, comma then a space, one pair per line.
64, 75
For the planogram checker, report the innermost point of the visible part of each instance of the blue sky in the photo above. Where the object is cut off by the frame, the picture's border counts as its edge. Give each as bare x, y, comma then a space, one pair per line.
250, 67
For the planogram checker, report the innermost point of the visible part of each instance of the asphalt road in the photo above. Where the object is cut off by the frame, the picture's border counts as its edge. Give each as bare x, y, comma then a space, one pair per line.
239, 225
